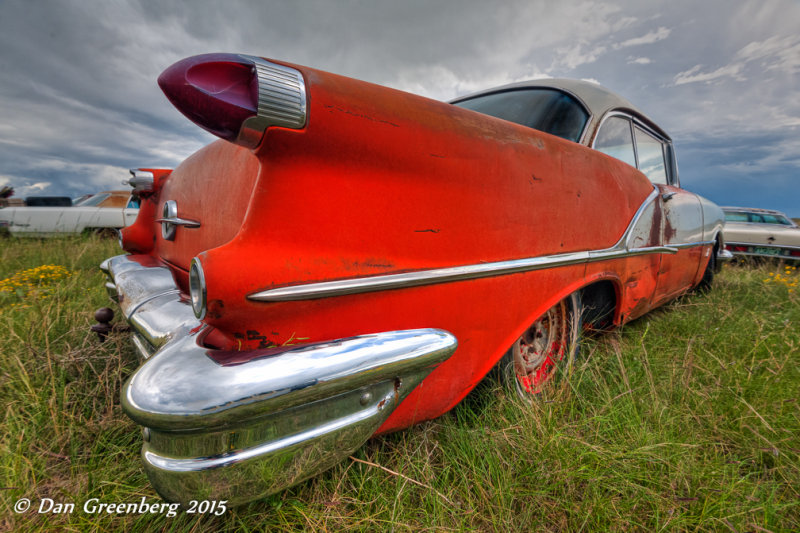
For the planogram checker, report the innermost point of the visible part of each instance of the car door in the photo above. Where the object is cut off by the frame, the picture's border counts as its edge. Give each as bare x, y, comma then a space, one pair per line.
131, 211
626, 138
682, 213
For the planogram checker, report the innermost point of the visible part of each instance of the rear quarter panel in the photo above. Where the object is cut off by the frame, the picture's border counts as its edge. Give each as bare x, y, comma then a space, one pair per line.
381, 181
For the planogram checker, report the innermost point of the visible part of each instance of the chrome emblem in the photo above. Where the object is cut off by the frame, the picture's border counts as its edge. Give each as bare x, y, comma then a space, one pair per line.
170, 221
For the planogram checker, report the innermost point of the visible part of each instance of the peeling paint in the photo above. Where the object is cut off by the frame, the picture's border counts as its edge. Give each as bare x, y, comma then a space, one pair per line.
360, 115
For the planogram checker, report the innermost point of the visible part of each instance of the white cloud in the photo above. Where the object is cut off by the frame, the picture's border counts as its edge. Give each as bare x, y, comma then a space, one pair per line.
694, 74
775, 53
780, 54
578, 54
639, 60
649, 38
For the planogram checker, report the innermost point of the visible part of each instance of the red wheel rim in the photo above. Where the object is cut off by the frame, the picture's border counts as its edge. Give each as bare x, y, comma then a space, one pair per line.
541, 348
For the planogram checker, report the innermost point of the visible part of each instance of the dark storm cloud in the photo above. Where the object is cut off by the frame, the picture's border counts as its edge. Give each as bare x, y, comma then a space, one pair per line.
79, 104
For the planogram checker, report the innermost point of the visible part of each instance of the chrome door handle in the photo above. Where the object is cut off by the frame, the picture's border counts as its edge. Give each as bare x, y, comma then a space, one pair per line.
175, 221
667, 196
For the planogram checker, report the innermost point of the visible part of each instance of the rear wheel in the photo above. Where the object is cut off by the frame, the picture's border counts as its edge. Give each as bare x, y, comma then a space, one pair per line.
545, 350
711, 268
103, 233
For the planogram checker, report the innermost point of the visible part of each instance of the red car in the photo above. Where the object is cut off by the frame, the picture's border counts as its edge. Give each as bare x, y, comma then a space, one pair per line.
350, 260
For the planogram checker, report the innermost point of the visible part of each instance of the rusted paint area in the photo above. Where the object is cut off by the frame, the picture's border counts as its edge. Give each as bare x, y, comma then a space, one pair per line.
647, 231
332, 109
367, 264
669, 231
656, 225
215, 309
640, 307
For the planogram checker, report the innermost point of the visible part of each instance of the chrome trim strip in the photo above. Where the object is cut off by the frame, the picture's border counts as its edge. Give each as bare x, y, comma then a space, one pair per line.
762, 225
669, 158
327, 289
691, 244
767, 256
750, 244
627, 237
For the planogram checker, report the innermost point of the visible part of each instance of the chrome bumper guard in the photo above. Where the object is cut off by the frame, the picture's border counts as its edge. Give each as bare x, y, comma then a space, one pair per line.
724, 255
219, 428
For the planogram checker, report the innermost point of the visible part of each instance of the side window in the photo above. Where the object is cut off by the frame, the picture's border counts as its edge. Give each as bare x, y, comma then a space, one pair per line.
772, 219
651, 156
614, 139
735, 216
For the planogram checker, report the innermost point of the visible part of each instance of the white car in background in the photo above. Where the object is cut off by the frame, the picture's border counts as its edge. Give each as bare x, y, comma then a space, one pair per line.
104, 211
761, 233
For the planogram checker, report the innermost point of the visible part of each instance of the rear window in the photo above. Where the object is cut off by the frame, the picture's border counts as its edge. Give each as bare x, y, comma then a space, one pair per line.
547, 110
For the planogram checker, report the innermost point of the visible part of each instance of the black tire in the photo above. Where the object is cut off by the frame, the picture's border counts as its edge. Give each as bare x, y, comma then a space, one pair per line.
545, 351
711, 269
103, 233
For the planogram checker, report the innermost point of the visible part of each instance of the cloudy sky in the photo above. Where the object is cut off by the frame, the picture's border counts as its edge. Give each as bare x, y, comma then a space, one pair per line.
79, 103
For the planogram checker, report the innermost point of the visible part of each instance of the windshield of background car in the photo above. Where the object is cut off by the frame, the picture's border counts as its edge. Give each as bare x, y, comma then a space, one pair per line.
92, 201
547, 110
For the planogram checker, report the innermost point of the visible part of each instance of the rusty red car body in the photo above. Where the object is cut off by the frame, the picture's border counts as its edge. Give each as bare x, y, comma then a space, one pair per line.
376, 211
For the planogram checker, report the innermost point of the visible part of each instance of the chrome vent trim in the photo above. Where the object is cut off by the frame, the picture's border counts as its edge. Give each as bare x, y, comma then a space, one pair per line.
281, 94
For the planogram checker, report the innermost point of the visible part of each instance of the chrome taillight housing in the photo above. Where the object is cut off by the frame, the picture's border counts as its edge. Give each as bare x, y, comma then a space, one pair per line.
141, 180
236, 97
197, 289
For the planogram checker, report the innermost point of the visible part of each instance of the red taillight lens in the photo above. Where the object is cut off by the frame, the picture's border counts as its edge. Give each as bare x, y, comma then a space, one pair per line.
795, 253
218, 92
738, 248
236, 97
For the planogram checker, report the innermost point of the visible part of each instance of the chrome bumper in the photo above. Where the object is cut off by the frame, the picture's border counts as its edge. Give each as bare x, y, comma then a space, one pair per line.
724, 255
218, 428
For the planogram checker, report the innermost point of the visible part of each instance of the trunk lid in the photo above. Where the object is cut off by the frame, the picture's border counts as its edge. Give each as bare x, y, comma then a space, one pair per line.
212, 187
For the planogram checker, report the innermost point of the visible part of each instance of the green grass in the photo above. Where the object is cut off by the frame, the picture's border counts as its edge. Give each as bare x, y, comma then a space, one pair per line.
686, 419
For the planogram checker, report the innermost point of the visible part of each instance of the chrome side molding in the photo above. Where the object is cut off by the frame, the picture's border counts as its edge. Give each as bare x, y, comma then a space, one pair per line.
625, 247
